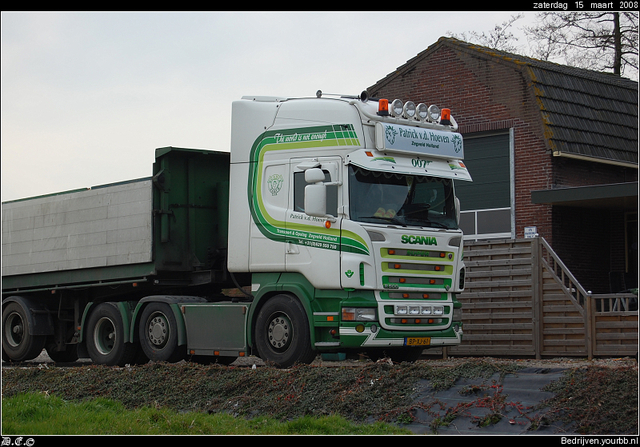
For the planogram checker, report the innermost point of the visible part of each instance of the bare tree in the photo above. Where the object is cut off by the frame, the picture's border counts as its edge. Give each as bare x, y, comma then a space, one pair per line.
500, 38
604, 41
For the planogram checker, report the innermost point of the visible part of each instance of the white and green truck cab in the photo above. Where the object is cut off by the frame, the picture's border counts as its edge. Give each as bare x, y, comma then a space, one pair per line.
333, 220
349, 208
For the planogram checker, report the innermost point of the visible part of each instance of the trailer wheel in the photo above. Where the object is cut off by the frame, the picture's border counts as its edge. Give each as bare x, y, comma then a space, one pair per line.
105, 337
159, 334
282, 332
18, 344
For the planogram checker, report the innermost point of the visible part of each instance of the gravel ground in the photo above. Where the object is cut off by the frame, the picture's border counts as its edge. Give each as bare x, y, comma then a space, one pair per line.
558, 362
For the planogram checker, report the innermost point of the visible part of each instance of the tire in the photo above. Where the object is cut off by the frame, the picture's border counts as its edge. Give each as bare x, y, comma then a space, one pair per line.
105, 338
282, 332
17, 342
158, 333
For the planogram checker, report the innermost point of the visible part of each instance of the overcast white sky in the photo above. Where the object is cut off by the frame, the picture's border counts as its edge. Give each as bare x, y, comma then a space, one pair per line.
87, 97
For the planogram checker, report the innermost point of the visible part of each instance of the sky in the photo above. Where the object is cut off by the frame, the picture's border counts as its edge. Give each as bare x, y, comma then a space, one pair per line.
87, 97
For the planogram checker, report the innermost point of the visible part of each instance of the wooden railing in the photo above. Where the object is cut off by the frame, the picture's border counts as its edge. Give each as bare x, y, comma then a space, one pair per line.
554, 265
520, 299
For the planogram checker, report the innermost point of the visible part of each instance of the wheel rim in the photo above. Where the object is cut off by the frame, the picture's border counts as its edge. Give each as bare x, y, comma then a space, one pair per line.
104, 336
158, 329
14, 329
279, 332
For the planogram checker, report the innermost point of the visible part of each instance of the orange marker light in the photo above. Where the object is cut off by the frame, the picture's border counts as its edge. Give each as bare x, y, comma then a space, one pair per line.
445, 117
327, 224
383, 107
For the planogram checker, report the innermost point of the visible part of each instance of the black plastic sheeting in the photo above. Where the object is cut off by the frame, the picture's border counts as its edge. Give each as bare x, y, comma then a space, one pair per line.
512, 399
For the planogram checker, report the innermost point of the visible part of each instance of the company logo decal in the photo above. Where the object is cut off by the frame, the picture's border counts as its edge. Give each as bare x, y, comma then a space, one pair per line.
387, 159
419, 140
457, 143
390, 134
274, 182
422, 240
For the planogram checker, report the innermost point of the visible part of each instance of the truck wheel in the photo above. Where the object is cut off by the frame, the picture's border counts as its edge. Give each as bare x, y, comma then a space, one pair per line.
17, 342
282, 332
105, 337
159, 334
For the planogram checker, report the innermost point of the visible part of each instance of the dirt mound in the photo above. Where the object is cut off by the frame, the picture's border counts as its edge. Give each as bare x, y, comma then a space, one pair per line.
590, 397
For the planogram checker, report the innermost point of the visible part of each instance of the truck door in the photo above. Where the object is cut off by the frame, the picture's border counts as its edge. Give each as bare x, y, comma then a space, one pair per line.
313, 245
270, 203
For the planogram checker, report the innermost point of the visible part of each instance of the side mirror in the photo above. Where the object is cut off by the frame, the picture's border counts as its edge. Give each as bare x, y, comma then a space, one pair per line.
315, 199
314, 175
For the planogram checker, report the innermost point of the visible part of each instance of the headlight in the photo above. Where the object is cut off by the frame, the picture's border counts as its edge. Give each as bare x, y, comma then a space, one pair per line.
358, 314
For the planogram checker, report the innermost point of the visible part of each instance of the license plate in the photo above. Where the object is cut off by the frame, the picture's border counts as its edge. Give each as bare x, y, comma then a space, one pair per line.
417, 341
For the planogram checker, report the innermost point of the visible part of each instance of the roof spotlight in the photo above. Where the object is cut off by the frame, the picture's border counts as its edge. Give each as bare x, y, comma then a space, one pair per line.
421, 111
396, 108
409, 110
434, 113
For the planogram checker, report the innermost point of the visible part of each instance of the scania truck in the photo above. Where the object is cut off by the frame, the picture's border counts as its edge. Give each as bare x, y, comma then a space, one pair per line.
330, 226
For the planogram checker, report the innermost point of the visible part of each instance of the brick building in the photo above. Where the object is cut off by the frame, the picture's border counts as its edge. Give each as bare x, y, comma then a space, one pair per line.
551, 148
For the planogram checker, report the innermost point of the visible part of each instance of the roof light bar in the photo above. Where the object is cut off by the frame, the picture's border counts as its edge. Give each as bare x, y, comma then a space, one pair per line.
410, 111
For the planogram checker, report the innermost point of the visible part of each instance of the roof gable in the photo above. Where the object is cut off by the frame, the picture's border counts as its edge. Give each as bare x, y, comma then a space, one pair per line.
585, 114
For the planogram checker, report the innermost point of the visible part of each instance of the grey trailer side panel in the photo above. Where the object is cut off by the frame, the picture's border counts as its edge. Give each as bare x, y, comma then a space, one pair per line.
105, 226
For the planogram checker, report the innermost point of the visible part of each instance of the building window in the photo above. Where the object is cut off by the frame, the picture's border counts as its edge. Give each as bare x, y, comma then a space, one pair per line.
486, 207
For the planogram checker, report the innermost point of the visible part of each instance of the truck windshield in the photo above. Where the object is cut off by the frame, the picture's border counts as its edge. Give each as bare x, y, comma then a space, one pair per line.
382, 197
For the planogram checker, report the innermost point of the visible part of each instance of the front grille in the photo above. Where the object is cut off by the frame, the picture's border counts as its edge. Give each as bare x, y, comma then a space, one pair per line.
416, 285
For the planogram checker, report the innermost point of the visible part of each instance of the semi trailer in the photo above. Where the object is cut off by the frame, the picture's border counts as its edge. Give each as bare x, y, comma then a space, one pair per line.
331, 225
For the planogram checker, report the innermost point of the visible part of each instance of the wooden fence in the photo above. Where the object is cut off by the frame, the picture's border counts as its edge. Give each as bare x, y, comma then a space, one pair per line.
521, 300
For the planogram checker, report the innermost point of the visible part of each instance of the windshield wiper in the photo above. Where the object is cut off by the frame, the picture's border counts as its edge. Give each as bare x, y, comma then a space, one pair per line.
393, 220
436, 224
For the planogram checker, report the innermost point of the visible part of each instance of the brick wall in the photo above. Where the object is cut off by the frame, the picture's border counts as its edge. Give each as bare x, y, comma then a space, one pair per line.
485, 96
